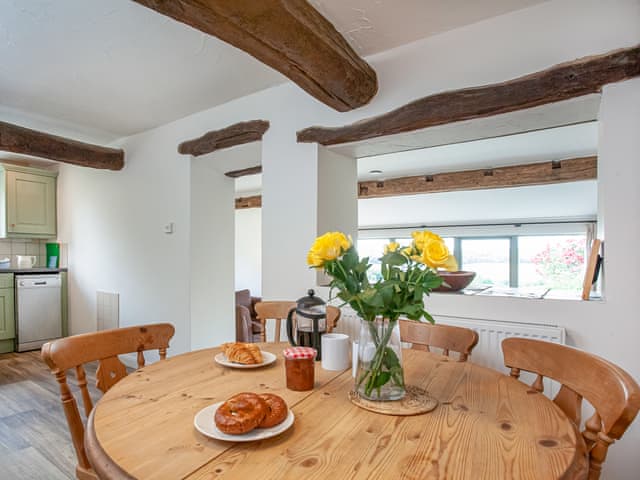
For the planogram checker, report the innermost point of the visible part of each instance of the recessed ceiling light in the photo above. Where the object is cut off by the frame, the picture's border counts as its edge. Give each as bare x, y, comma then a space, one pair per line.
375, 172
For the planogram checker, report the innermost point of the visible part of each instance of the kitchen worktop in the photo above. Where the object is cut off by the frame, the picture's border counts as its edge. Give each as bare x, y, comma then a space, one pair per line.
34, 270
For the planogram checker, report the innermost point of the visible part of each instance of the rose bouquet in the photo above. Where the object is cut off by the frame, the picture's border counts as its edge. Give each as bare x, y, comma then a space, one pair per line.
407, 275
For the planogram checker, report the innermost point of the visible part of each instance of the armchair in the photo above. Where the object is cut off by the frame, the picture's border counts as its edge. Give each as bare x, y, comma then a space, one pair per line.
248, 327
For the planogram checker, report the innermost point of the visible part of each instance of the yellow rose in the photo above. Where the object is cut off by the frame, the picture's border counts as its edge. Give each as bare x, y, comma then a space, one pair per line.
436, 255
391, 247
327, 247
314, 260
420, 238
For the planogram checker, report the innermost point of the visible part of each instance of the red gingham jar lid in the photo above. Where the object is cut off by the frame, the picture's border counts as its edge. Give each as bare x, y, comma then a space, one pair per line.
296, 353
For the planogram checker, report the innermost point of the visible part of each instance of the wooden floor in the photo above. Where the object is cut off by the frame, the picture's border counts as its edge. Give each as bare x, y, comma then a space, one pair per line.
34, 438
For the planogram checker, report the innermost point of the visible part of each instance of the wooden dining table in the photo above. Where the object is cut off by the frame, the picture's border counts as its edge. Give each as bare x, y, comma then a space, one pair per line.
487, 426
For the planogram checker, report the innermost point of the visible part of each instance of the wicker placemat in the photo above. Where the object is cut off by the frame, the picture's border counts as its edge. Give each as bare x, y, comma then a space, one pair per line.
415, 402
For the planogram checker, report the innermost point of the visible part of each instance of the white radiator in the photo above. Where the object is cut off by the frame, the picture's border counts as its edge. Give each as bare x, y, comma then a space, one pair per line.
107, 310
488, 351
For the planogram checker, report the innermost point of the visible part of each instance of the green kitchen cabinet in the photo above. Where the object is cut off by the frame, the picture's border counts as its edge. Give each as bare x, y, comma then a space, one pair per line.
27, 202
7, 318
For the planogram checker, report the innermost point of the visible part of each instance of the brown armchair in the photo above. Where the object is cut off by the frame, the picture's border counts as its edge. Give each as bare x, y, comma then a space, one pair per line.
248, 327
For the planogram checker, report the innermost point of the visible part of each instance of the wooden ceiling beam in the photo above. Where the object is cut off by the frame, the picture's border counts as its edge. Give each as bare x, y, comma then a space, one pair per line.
560, 82
249, 202
544, 173
289, 36
244, 172
570, 170
236, 134
17, 139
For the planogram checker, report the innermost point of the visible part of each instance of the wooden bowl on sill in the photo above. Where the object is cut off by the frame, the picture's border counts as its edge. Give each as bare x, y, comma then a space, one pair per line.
456, 280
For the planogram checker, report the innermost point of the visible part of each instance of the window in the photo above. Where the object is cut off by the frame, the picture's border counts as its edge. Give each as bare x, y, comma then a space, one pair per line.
489, 258
372, 248
551, 261
537, 256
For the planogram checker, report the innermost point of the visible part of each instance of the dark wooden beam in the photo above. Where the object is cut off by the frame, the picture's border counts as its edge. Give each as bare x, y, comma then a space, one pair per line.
560, 82
570, 170
558, 171
245, 171
289, 36
17, 139
249, 202
236, 134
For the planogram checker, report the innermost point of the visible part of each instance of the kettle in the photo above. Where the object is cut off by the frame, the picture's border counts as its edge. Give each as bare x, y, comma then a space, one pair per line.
26, 261
311, 322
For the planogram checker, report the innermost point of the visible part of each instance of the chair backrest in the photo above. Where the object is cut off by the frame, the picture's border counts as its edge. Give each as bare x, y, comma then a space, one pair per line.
333, 315
446, 337
105, 346
611, 391
278, 310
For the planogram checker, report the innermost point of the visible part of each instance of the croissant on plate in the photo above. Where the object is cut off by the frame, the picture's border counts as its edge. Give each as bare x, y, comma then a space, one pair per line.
244, 353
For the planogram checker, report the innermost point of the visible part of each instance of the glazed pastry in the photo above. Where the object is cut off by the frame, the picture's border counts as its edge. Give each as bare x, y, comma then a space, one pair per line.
276, 410
244, 353
240, 414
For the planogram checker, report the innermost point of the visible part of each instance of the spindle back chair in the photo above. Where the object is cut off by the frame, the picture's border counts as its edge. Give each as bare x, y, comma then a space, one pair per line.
611, 391
73, 352
423, 336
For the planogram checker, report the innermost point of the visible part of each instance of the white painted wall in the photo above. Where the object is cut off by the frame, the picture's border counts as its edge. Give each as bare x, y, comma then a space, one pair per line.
212, 223
563, 200
337, 198
113, 220
248, 250
337, 193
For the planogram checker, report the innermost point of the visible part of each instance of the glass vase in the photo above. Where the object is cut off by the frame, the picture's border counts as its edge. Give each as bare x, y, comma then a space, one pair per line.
379, 374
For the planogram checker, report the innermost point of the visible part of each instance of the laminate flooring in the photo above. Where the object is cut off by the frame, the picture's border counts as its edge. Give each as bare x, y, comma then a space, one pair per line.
34, 438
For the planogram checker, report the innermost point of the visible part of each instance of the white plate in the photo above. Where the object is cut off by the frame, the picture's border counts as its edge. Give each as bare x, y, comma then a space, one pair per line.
205, 424
267, 359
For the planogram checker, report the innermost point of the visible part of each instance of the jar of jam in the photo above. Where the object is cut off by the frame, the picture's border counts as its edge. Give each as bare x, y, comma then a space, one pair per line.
300, 366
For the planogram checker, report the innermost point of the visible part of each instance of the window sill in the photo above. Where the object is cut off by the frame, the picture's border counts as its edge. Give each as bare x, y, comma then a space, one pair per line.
526, 293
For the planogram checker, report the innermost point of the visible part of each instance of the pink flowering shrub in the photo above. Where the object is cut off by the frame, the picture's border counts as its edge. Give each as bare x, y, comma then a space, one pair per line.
561, 264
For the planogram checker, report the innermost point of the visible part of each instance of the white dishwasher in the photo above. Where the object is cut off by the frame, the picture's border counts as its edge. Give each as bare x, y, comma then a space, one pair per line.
39, 317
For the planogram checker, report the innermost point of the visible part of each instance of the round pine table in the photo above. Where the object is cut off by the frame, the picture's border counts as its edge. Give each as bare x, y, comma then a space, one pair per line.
487, 426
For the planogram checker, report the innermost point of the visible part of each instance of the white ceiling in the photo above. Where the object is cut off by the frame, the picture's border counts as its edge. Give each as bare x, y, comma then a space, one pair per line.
116, 65
120, 68
530, 147
372, 26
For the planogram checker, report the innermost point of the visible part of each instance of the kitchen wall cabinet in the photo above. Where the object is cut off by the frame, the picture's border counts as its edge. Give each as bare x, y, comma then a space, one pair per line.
27, 202
7, 317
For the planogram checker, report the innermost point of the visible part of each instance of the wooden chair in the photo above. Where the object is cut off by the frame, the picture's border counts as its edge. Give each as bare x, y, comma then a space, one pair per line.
612, 392
447, 337
73, 352
278, 310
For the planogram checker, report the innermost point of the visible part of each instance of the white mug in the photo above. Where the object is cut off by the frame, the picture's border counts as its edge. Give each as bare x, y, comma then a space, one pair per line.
335, 351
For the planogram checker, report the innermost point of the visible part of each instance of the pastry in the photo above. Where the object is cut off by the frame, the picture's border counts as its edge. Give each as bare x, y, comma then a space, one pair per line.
240, 414
244, 353
276, 410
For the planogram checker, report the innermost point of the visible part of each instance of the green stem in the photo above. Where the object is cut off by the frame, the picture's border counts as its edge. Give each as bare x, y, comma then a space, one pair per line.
381, 346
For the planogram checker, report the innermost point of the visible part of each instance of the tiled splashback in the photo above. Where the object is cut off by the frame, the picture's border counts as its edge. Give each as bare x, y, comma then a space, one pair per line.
11, 248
